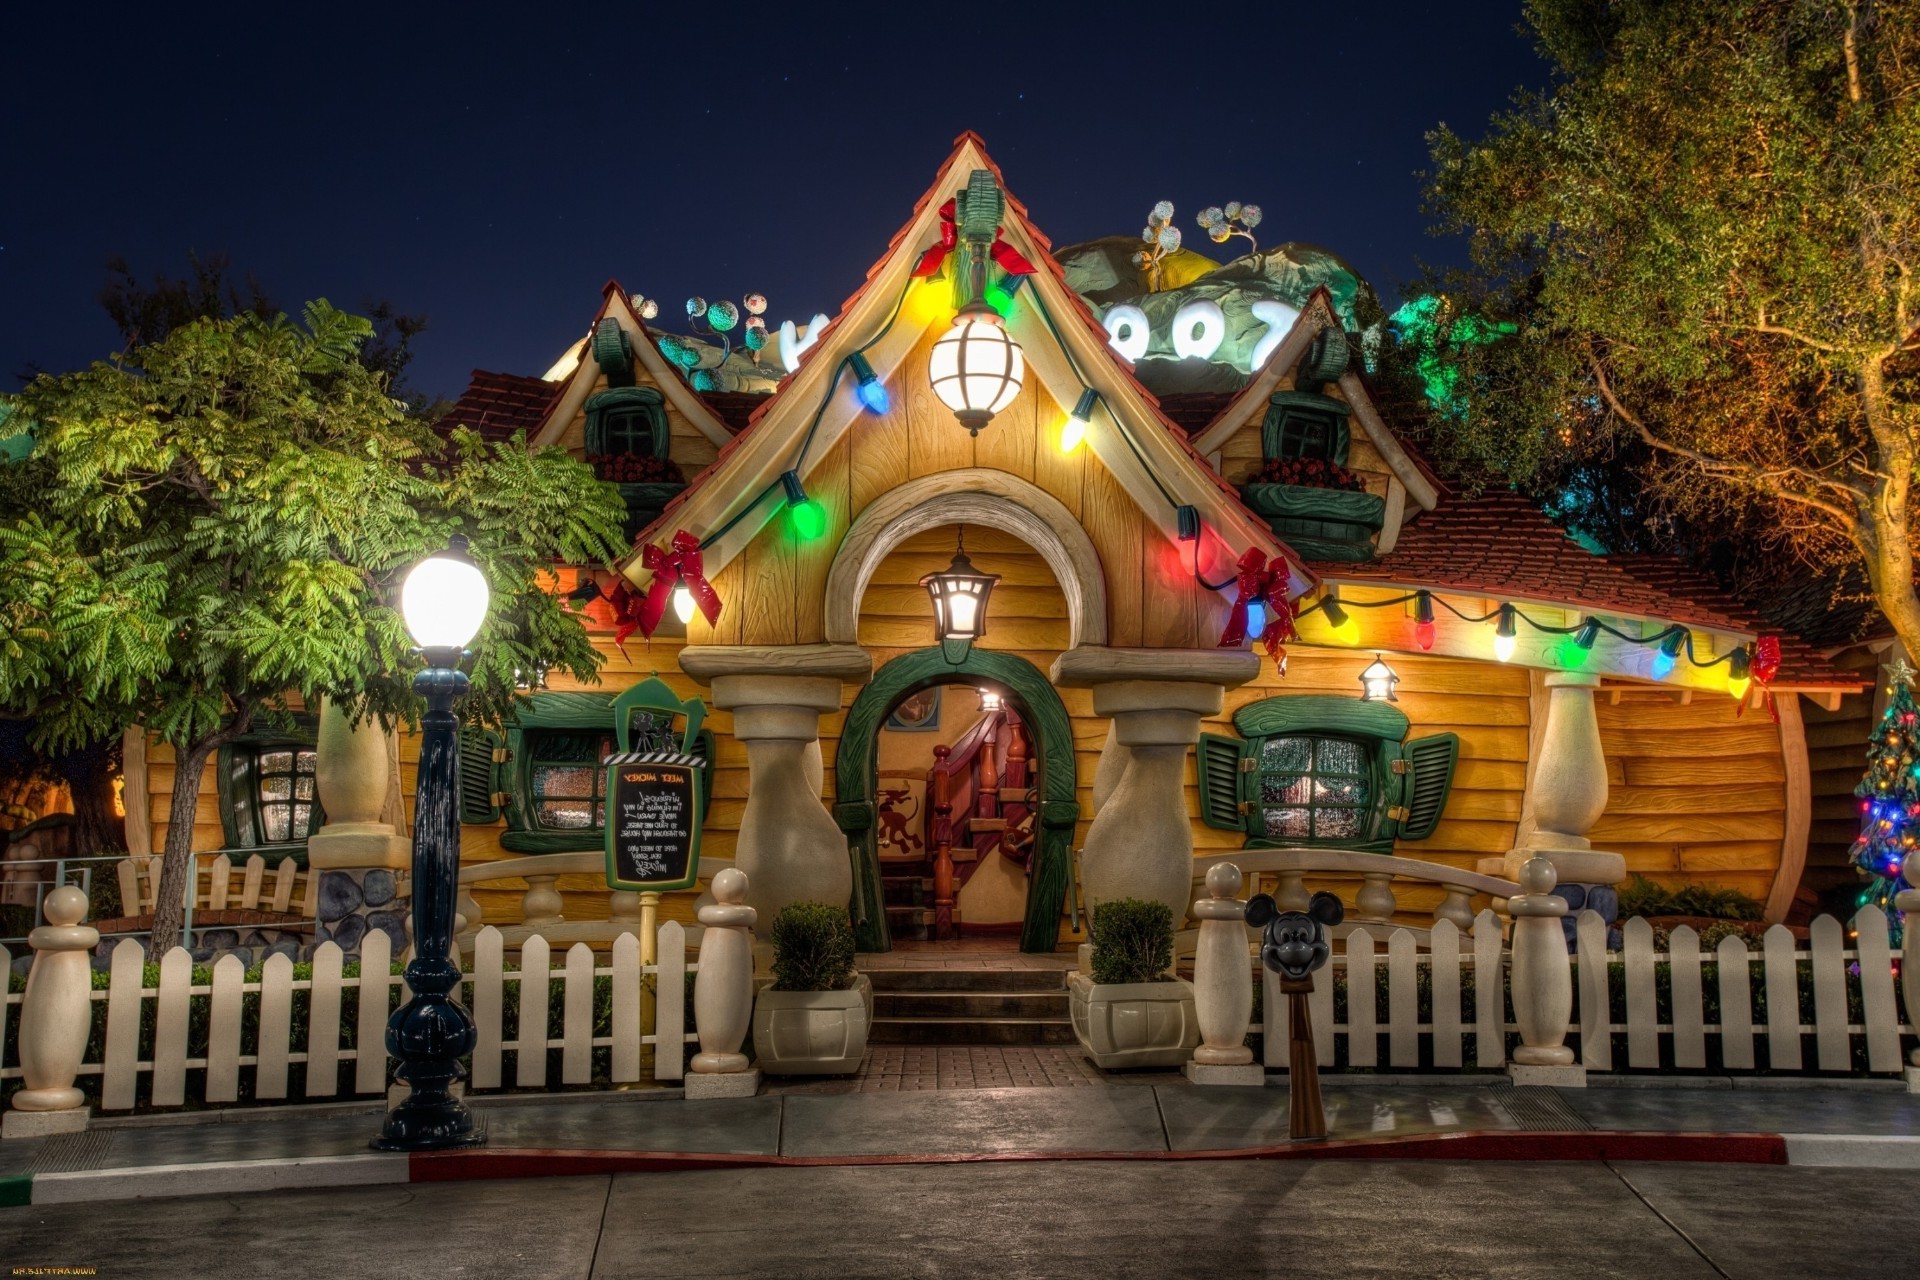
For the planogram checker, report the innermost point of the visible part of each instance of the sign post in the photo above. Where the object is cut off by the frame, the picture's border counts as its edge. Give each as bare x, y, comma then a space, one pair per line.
654, 804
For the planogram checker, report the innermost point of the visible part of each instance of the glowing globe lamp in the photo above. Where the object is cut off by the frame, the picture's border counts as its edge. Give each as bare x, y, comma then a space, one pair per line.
1377, 681
1506, 632
809, 518
872, 391
975, 368
1424, 632
959, 593
1073, 433
990, 700
1740, 675
444, 601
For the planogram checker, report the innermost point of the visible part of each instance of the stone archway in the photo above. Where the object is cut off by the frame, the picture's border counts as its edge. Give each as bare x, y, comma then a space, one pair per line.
853, 773
976, 496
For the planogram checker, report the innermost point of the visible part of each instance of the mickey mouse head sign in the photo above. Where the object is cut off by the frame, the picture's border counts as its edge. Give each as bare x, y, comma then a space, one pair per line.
1295, 943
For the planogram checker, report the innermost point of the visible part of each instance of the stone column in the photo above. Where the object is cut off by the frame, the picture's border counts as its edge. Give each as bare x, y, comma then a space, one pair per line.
789, 845
54, 1021
723, 994
1141, 842
1223, 985
1542, 982
356, 855
1566, 794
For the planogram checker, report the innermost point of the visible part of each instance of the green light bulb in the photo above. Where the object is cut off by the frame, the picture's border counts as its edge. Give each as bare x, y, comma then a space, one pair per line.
809, 519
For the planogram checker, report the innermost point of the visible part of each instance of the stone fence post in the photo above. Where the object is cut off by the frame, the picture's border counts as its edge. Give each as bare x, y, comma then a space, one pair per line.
1223, 985
1542, 982
54, 1021
1908, 900
723, 993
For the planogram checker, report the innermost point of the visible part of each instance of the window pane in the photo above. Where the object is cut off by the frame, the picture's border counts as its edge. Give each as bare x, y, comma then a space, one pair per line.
1283, 788
303, 786
586, 746
1286, 755
1340, 755
1285, 822
275, 762
302, 821
573, 815
274, 820
1341, 791
564, 780
306, 762
280, 788
1337, 824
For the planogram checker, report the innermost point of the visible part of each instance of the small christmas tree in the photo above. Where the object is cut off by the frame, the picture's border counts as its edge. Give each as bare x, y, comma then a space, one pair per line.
1890, 797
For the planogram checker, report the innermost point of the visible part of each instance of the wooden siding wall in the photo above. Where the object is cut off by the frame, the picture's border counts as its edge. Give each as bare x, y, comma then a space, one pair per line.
1837, 758
1151, 596
1697, 792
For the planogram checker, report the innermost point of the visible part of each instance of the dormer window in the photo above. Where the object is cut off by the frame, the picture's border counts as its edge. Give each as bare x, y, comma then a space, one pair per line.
627, 422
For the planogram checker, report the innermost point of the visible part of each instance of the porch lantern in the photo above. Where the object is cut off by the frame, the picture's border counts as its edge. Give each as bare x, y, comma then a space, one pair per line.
959, 594
975, 368
444, 602
1377, 681
990, 701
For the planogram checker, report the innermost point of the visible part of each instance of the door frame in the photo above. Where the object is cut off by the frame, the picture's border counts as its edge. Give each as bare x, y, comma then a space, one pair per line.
856, 762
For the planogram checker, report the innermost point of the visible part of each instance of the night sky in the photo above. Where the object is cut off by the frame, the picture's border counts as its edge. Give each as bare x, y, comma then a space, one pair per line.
493, 169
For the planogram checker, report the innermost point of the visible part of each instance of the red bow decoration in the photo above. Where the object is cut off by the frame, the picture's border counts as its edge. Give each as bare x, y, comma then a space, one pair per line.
1264, 583
679, 566
1763, 667
1005, 255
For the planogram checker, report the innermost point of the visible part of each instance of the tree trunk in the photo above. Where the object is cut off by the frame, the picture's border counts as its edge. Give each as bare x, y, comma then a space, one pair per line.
88, 772
177, 861
1888, 541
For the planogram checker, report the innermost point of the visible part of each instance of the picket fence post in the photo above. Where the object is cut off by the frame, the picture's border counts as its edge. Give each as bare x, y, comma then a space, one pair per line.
1543, 982
323, 1021
723, 993
531, 1035
55, 1021
1223, 984
1908, 900
1489, 991
1443, 957
670, 1003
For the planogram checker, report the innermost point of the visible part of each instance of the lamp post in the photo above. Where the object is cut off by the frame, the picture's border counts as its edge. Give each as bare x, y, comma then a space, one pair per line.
444, 601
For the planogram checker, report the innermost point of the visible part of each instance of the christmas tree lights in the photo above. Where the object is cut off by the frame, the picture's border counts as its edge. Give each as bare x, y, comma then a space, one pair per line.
1890, 797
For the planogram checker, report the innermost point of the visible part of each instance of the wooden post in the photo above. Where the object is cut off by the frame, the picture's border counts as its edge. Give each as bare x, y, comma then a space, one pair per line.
1908, 900
943, 893
1306, 1114
54, 1021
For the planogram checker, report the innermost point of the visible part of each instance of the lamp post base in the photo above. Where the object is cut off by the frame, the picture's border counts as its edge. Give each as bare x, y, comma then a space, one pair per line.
440, 1125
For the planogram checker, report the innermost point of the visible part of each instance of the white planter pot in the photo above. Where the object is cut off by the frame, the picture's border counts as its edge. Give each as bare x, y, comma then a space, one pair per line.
812, 1032
1134, 1024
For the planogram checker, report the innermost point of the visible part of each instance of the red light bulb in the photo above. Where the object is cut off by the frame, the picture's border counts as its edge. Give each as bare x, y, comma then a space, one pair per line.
1423, 635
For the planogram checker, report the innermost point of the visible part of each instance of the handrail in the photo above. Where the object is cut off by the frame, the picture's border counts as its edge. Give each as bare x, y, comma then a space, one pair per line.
1352, 861
583, 862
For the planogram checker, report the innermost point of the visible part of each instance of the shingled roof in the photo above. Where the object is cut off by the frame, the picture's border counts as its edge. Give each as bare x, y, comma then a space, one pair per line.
498, 404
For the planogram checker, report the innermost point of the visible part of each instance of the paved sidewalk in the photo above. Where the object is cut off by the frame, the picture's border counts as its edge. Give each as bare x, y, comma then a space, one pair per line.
1397, 1118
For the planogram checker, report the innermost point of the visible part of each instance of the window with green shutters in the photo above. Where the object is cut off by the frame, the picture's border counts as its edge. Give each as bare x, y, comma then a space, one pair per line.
1318, 771
567, 778
268, 792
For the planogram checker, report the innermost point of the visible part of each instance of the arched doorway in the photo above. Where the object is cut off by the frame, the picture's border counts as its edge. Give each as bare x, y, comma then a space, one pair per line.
1057, 810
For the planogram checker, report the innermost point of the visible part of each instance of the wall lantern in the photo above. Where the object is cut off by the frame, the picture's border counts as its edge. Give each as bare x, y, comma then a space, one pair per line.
959, 595
990, 701
975, 368
1377, 681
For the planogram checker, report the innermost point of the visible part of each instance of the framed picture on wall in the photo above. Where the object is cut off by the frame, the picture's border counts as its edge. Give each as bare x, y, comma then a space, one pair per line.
918, 714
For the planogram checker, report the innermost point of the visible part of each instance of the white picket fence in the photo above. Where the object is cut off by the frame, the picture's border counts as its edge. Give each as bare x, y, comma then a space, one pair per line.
127, 1001
1779, 960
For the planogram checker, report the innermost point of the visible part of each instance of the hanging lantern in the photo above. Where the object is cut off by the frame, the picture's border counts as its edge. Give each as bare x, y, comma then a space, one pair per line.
1377, 681
975, 368
959, 594
990, 701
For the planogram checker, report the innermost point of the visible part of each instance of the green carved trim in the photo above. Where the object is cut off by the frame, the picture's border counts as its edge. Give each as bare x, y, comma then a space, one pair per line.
853, 775
1306, 502
854, 818
613, 352
566, 711
553, 841
655, 694
645, 502
1284, 407
1325, 361
1320, 713
651, 406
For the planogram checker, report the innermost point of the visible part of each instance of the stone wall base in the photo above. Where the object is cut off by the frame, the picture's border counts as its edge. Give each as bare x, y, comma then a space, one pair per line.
722, 1084
43, 1124
1573, 1077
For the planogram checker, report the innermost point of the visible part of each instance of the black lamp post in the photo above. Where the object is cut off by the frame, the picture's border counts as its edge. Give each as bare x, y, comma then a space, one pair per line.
444, 601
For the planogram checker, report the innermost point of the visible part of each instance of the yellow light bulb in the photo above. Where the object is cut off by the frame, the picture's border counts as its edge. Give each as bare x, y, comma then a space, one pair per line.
1072, 435
683, 604
1503, 647
1737, 687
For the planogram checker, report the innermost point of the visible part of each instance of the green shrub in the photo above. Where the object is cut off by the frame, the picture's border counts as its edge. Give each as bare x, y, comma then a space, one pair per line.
812, 948
1132, 941
1642, 897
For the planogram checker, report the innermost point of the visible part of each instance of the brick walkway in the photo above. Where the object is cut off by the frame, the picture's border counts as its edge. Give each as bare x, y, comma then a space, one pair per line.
900, 1068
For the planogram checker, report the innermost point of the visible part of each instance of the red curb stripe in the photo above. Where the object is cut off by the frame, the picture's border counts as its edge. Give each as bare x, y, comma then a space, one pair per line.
1720, 1148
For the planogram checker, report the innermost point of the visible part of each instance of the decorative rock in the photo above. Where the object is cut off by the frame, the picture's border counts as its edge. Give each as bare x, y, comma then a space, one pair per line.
393, 922
56, 1016
723, 986
254, 938
378, 888
349, 931
221, 939
1223, 983
340, 896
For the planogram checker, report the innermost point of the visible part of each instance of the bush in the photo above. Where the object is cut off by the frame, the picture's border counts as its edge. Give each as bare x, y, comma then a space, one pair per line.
812, 948
1132, 941
1642, 897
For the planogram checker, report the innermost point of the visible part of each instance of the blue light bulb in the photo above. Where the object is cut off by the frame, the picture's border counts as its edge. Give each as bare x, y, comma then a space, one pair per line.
1662, 665
1256, 619
874, 396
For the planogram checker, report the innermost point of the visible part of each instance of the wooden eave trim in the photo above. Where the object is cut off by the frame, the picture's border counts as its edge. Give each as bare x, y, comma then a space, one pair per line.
1419, 488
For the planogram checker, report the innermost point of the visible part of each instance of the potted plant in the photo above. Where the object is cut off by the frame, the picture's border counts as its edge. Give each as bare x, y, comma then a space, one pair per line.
813, 1019
1317, 505
1131, 1011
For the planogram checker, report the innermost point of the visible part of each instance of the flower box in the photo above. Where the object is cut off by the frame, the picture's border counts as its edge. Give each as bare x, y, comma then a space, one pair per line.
1321, 524
812, 1033
1133, 1024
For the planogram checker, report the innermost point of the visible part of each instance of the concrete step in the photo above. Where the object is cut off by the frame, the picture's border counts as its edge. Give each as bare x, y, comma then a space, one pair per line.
952, 1006
1019, 981
1002, 1031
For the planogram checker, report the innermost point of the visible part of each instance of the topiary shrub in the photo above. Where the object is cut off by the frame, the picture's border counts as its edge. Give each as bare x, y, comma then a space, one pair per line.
1132, 941
812, 948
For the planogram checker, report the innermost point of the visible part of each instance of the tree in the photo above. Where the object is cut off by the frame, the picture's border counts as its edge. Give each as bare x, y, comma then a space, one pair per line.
1890, 798
216, 523
1706, 235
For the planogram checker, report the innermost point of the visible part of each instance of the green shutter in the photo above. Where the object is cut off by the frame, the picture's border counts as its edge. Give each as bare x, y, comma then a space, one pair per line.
1222, 782
479, 802
1430, 764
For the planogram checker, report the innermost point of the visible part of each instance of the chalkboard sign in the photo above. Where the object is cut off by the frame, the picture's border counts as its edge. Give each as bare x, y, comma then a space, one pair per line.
653, 820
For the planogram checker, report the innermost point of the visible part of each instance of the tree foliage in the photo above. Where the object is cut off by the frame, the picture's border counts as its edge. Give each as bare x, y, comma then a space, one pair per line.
1705, 236
217, 522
